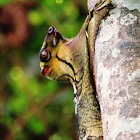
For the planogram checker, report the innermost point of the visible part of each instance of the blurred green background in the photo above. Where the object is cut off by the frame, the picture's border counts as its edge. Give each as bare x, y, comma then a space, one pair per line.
31, 106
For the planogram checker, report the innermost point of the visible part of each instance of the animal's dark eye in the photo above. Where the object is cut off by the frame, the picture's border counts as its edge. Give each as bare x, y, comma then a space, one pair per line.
45, 55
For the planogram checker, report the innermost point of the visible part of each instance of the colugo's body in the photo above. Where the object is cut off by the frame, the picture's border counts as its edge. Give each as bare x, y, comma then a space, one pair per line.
68, 59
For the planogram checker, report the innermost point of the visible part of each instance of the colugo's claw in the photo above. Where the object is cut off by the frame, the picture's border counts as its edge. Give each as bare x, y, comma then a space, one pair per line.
101, 4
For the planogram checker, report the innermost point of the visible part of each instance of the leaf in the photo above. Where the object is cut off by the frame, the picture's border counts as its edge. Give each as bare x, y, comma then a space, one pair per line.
59, 1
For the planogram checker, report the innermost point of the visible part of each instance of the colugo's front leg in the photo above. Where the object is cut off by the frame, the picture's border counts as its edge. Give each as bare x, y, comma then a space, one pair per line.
68, 59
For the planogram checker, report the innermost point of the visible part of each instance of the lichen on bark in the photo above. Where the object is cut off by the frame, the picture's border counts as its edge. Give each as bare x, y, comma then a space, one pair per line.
117, 63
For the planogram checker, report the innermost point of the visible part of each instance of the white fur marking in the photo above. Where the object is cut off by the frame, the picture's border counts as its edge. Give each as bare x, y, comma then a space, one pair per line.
86, 34
75, 100
85, 137
54, 41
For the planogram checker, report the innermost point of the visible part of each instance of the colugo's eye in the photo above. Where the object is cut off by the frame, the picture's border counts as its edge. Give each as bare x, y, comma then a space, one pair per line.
45, 55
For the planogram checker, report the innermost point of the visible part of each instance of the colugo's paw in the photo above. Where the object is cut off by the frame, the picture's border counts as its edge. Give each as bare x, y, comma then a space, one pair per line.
101, 4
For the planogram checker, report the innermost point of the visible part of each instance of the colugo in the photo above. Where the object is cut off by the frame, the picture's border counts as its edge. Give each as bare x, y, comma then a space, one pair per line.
64, 59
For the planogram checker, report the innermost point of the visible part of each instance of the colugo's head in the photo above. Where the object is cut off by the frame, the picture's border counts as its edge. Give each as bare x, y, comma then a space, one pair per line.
62, 58
55, 56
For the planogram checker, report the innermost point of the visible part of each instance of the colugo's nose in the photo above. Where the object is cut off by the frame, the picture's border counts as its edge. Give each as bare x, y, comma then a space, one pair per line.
51, 30
45, 55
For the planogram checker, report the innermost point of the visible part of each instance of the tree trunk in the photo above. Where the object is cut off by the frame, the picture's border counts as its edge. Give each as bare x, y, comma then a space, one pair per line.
117, 70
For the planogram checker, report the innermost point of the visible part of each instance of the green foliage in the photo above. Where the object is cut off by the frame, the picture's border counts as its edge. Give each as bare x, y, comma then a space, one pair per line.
35, 18
59, 1
31, 106
36, 126
4, 2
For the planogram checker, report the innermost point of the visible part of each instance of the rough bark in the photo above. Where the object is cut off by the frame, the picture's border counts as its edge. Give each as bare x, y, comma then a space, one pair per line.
117, 71
91, 3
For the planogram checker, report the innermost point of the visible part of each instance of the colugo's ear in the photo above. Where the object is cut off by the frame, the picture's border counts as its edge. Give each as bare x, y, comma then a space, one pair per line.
53, 36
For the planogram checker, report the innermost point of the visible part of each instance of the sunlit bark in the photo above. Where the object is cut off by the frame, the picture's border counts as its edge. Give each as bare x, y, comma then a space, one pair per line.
117, 63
